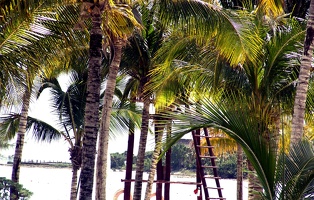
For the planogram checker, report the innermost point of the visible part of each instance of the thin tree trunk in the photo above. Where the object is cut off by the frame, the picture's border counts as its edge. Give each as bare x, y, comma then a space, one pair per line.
303, 82
141, 152
74, 184
168, 164
76, 160
160, 168
20, 144
91, 116
198, 174
129, 162
152, 172
102, 156
239, 172
255, 188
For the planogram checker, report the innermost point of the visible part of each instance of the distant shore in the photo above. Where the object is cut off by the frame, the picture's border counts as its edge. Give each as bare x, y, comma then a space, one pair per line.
42, 164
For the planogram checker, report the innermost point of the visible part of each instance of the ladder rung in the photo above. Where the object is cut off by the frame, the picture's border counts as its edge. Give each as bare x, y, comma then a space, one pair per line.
214, 157
201, 146
205, 166
204, 136
215, 188
212, 177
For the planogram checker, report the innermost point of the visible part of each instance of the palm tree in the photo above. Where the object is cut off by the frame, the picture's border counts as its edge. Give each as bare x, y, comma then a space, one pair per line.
91, 116
28, 31
238, 122
303, 80
259, 79
119, 24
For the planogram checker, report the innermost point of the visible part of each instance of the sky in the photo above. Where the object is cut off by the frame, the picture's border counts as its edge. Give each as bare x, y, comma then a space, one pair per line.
58, 150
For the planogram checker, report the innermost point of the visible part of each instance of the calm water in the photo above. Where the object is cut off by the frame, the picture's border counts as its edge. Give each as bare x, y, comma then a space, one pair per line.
54, 184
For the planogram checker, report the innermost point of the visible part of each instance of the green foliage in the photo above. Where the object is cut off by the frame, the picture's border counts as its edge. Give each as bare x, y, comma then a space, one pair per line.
117, 160
148, 160
5, 185
181, 158
227, 166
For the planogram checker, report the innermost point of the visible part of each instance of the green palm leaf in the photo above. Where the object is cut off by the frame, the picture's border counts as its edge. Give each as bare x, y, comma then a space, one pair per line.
239, 124
296, 173
43, 131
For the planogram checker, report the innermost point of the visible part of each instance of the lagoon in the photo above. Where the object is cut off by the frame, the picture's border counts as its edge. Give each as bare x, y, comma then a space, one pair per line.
48, 183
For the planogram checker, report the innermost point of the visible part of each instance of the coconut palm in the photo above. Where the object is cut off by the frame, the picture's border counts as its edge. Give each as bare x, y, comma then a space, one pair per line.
117, 22
238, 122
25, 32
264, 80
303, 81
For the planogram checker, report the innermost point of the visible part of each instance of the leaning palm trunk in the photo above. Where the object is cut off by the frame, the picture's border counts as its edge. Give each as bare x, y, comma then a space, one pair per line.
154, 162
19, 144
101, 171
239, 172
303, 82
141, 152
91, 117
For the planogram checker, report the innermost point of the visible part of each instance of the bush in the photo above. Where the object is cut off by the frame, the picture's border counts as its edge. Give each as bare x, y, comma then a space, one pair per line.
5, 185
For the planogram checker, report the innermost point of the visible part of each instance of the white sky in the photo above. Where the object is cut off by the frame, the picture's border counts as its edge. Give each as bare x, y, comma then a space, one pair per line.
58, 150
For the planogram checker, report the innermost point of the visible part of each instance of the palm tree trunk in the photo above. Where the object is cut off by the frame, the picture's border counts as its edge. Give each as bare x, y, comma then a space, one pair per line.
76, 160
303, 82
129, 162
255, 188
101, 171
239, 172
91, 116
159, 167
19, 144
74, 184
141, 152
154, 162
168, 164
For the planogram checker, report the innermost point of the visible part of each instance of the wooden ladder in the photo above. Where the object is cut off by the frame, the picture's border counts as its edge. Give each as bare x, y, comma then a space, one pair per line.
202, 168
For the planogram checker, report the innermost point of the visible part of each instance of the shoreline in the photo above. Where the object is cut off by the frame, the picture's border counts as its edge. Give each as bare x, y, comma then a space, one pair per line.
42, 165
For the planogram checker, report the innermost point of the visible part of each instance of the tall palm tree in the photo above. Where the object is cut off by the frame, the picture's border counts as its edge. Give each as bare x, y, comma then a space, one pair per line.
91, 116
303, 80
118, 24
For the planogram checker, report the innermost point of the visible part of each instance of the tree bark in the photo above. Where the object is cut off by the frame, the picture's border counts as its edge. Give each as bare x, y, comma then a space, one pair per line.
156, 153
76, 161
141, 152
239, 172
255, 188
303, 81
168, 164
74, 184
20, 144
91, 117
101, 171
129, 162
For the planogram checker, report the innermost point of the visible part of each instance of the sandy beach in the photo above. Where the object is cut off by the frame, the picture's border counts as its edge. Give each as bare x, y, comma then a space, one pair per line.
54, 184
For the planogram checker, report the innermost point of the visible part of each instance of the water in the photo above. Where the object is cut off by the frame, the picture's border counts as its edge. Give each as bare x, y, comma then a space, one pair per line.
54, 184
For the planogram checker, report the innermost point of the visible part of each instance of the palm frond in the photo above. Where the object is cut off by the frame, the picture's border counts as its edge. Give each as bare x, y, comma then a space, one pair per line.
9, 125
236, 121
295, 174
121, 116
43, 131
236, 37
